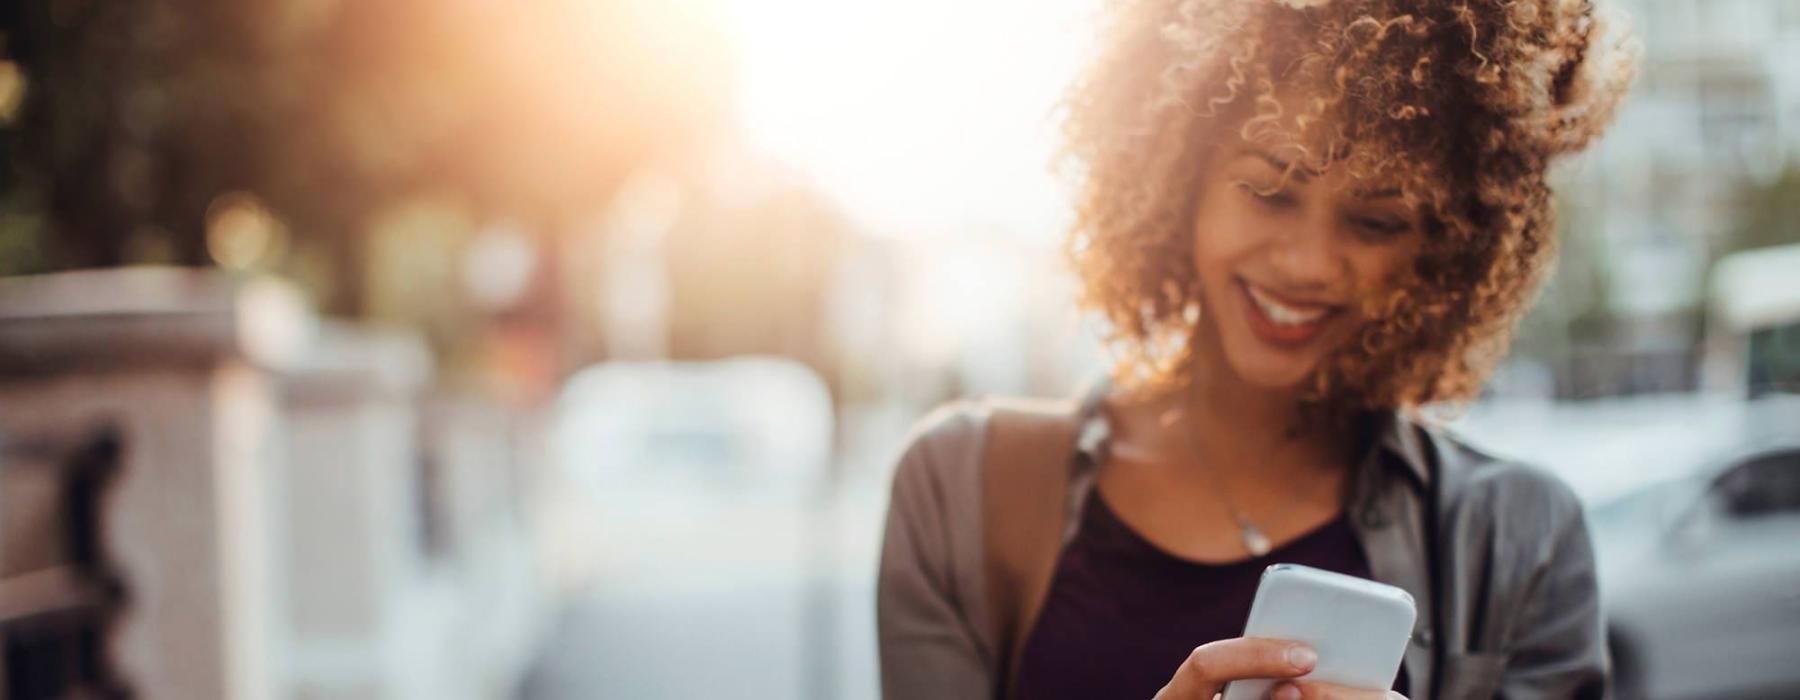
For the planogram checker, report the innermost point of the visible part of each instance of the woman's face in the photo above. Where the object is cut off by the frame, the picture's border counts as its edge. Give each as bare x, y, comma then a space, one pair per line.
1284, 268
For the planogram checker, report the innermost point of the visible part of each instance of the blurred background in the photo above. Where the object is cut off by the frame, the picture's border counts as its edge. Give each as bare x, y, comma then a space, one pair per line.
457, 349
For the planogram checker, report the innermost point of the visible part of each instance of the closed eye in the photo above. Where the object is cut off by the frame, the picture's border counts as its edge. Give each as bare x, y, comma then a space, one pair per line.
1279, 199
1381, 226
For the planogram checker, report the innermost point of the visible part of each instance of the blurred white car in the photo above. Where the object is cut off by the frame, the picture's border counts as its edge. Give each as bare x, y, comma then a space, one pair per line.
741, 427
702, 491
1700, 577
1694, 501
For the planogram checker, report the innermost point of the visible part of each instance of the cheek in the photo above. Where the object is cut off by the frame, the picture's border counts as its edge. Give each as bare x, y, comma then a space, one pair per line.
1222, 234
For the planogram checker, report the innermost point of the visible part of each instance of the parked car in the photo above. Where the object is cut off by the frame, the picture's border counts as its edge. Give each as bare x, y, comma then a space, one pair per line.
1700, 578
706, 487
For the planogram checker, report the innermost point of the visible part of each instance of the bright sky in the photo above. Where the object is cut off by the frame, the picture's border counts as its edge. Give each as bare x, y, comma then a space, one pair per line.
922, 117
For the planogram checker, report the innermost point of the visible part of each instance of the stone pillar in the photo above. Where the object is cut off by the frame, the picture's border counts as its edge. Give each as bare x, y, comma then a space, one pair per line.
351, 520
179, 362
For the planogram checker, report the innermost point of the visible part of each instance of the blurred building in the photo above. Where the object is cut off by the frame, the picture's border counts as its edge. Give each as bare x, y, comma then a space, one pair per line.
1715, 112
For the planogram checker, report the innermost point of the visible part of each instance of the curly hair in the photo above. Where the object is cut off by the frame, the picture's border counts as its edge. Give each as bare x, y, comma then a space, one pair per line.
1464, 104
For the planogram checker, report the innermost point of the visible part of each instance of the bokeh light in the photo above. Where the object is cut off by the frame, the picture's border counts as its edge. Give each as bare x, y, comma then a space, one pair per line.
240, 232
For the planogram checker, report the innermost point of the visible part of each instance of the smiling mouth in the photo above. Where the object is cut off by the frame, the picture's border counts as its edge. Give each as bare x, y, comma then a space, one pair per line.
1281, 321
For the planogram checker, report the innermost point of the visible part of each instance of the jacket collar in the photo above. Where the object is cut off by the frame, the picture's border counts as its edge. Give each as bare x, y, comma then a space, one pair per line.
1403, 439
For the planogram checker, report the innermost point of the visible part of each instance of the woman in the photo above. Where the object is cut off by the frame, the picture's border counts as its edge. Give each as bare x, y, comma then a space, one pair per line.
1304, 220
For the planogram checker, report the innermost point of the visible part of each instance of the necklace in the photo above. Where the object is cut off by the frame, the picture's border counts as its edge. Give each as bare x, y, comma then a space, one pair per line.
1255, 541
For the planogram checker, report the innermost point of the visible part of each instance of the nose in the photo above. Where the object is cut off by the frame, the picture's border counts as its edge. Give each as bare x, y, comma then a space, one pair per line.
1306, 258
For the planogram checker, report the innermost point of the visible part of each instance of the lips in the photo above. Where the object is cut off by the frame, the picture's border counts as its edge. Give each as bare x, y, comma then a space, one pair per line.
1283, 321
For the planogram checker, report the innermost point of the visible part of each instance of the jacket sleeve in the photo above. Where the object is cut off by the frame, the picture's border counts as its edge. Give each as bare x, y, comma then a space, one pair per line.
1559, 646
924, 617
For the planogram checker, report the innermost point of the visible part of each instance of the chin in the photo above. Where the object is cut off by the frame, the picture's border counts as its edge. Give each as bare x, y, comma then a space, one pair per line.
1272, 373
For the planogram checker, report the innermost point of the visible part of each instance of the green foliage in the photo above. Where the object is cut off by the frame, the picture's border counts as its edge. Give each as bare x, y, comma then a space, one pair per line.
21, 237
1769, 215
142, 114
1573, 306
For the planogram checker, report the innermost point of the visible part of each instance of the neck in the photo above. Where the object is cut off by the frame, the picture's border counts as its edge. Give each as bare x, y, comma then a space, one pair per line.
1239, 425
1218, 401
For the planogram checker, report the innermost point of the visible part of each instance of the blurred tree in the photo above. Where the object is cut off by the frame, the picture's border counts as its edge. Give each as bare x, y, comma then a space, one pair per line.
1572, 307
139, 116
1769, 215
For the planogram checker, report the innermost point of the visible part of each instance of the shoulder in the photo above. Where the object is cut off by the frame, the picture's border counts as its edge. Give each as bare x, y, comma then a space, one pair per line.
1472, 472
947, 442
947, 438
934, 521
1521, 504
1484, 492
936, 478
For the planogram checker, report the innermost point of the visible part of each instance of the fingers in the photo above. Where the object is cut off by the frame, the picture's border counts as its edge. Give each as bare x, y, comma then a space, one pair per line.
1211, 665
1314, 690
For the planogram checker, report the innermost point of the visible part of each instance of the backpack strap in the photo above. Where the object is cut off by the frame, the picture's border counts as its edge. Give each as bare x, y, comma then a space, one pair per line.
1027, 464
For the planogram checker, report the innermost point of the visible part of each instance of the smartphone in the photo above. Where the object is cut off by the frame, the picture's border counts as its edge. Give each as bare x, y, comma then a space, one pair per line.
1359, 627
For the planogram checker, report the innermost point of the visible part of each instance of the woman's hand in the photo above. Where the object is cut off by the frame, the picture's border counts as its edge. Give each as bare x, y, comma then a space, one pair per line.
1210, 666
1313, 690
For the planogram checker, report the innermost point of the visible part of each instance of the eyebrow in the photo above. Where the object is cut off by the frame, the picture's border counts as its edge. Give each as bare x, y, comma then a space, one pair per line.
1302, 175
1299, 174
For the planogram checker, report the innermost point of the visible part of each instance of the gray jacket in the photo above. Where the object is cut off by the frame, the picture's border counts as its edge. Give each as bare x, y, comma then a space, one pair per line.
1515, 613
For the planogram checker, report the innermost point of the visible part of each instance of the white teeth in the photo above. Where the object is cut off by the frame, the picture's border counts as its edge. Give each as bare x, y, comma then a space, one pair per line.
1281, 313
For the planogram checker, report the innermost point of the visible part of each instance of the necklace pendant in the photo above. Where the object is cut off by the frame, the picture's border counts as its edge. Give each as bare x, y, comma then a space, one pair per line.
1255, 541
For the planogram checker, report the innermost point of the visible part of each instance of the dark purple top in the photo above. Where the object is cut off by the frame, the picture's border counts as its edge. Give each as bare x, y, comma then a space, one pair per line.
1122, 613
